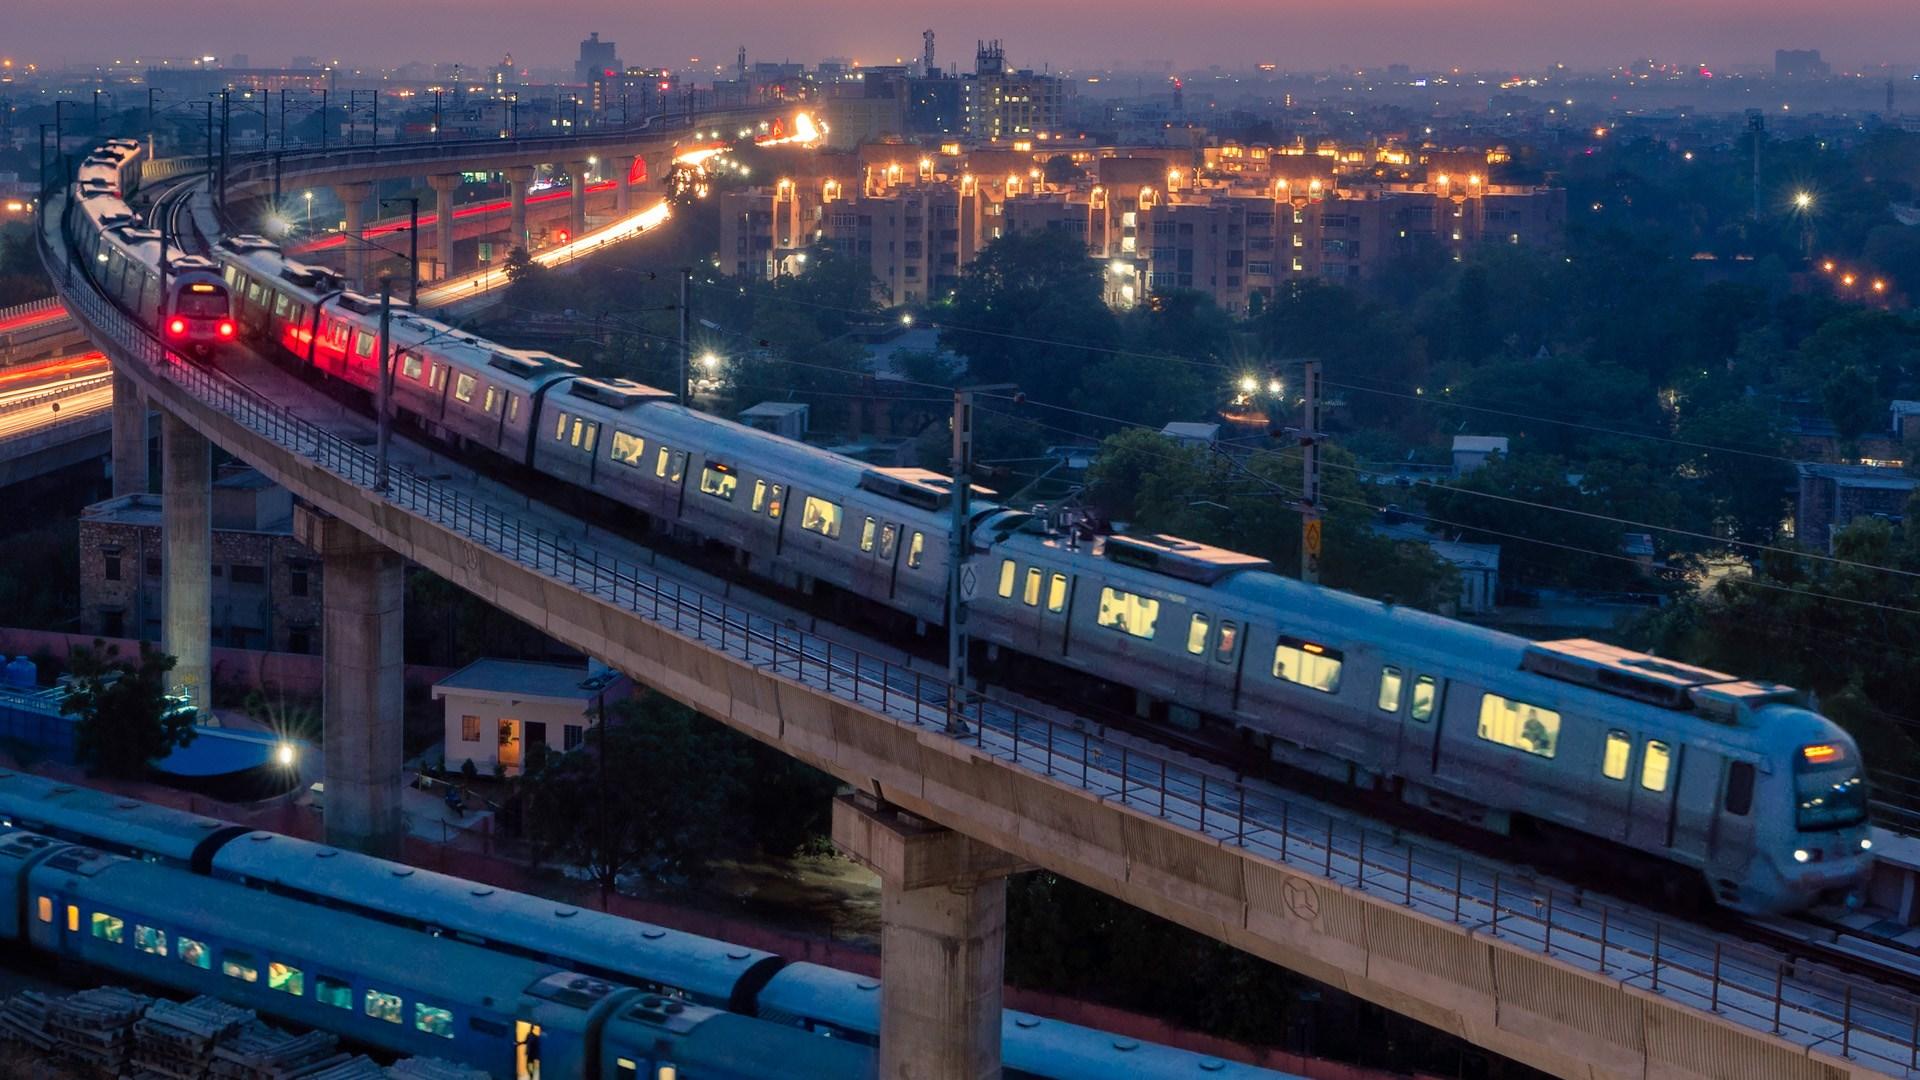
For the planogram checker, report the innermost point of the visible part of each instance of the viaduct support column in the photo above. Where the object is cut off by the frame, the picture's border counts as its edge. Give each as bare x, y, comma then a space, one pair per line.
129, 437
353, 197
186, 537
577, 175
519, 179
443, 191
622, 184
361, 699
943, 911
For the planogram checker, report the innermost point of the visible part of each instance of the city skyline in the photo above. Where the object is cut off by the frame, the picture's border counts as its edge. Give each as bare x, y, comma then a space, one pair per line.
1482, 34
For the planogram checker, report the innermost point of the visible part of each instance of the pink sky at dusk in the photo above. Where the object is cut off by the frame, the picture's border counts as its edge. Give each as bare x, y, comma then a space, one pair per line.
1191, 34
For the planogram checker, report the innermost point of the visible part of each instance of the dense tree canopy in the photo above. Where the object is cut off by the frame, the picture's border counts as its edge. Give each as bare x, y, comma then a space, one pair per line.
126, 720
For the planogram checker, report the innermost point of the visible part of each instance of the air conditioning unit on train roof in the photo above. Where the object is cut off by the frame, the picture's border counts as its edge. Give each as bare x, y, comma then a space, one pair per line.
307, 276
249, 242
1668, 684
181, 264
361, 304
1188, 560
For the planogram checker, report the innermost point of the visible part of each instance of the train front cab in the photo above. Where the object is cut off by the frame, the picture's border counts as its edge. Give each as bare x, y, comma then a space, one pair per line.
200, 314
1811, 842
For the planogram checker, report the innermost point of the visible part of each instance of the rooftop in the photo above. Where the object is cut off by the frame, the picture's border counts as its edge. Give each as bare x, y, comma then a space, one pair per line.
1485, 444
519, 679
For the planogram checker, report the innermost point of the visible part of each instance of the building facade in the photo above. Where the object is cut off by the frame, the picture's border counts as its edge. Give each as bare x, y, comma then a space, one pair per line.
502, 715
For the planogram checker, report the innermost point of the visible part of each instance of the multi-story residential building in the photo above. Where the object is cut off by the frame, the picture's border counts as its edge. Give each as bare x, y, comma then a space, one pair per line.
266, 585
997, 103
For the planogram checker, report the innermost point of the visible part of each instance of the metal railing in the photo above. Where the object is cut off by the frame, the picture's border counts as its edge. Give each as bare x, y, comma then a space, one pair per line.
1811, 1006
31, 307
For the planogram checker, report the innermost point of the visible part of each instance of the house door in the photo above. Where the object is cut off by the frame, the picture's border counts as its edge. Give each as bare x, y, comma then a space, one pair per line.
509, 743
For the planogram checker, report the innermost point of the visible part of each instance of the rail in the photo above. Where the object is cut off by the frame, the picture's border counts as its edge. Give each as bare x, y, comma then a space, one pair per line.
1812, 1007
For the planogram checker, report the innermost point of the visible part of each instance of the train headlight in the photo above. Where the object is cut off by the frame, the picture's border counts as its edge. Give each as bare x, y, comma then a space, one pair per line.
1800, 855
1866, 843
177, 327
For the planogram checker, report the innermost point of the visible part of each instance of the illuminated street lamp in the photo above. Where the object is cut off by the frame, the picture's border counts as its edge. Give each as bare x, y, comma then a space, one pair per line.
309, 213
1803, 201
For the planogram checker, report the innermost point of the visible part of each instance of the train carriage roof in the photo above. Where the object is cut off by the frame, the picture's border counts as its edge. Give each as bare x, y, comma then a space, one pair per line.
71, 811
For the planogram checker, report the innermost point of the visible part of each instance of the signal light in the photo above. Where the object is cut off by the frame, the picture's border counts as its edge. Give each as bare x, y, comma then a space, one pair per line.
177, 327
226, 328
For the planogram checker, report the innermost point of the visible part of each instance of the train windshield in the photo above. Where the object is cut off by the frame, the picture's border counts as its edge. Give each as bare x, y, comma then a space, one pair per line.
197, 304
1829, 789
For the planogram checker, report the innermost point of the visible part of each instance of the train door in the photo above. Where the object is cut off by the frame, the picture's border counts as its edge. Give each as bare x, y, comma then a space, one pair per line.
1060, 592
874, 568
526, 1050
1610, 804
1731, 838
1222, 656
1418, 697
1655, 783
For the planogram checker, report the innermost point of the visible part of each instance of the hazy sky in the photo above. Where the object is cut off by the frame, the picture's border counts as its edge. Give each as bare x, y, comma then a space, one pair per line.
1189, 33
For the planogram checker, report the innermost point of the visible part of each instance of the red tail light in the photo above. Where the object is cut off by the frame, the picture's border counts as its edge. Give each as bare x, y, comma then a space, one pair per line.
226, 328
177, 327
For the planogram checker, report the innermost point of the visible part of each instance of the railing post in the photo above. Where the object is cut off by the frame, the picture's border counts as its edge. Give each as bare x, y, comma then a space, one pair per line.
1459, 875
1203, 804
1286, 812
1163, 788
1086, 752
1714, 1001
856, 669
1913, 1042
1548, 946
1049, 748
1360, 864
1656, 956
1241, 839
1328, 869
1409, 897
1496, 901
1779, 985
1846, 1023
1606, 910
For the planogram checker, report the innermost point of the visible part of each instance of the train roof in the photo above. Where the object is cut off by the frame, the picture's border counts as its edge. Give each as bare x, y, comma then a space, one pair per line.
701, 966
725, 1044
73, 812
1028, 1043
455, 972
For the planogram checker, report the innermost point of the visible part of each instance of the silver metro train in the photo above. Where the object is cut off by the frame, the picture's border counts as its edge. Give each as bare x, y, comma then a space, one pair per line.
1757, 798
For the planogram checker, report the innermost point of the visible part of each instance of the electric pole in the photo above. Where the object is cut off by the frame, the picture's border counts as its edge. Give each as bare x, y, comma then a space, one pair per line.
1310, 474
686, 327
383, 384
961, 581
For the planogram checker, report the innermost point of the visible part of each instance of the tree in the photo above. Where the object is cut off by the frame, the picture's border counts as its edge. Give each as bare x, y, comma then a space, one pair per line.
520, 265
1029, 311
126, 718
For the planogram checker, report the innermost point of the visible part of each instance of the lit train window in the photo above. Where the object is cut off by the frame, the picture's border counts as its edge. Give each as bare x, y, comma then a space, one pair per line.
889, 539
660, 462
869, 531
628, 449
560, 430
1127, 613
586, 436
235, 964
1030, 593
1007, 572
73, 919
333, 992
433, 1020
437, 376
1197, 634
492, 399
1425, 697
279, 305
820, 516
1056, 591
410, 366
916, 549
195, 954
718, 482
1519, 725
1390, 683
46, 909
382, 1006
109, 928
774, 503
513, 408
463, 389
1229, 640
1308, 664
286, 979
363, 345
1619, 750
150, 939
1656, 765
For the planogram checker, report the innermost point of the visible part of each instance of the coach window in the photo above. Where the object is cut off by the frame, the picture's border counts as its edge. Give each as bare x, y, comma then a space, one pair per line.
628, 449
513, 408
149, 939
1425, 696
718, 481
437, 377
660, 462
73, 919
869, 531
1007, 572
1307, 663
819, 515
774, 500
109, 928
1390, 683
1030, 593
586, 434
1739, 788
1656, 765
889, 539
433, 1020
1519, 725
560, 428
279, 305
676, 466
1056, 593
410, 366
285, 978
196, 954
1229, 640
1197, 634
332, 992
1613, 764
235, 964
1128, 613
46, 909
363, 345
916, 549
759, 495
493, 398
463, 387
382, 1006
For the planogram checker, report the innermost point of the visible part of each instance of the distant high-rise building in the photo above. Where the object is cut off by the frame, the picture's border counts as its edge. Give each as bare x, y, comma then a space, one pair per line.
598, 59
1000, 104
502, 74
1800, 64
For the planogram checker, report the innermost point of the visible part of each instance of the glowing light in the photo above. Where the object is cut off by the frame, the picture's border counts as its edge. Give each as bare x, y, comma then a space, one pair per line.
177, 327
906, 319
1249, 384
1802, 200
1821, 753
1275, 387
1800, 855
710, 361
284, 754
1847, 280
1827, 266
226, 328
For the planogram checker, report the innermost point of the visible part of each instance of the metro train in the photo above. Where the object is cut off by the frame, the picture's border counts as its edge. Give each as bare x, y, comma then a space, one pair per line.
381, 986
679, 966
1645, 765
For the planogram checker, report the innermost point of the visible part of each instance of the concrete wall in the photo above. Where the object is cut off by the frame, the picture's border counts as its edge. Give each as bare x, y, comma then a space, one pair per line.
1501, 996
240, 669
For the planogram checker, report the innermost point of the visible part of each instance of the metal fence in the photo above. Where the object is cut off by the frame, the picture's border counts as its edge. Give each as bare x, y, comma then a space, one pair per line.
1810, 1005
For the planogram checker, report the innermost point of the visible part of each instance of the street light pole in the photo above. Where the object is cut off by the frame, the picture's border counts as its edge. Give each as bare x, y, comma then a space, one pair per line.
686, 326
1310, 475
413, 244
597, 685
384, 384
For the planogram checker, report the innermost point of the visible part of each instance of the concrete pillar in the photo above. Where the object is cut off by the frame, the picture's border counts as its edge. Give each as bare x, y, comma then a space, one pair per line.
361, 700
577, 175
519, 179
943, 912
186, 537
129, 437
622, 184
353, 198
444, 187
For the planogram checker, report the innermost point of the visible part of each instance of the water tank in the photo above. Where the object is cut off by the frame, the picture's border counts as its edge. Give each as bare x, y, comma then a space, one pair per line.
20, 673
